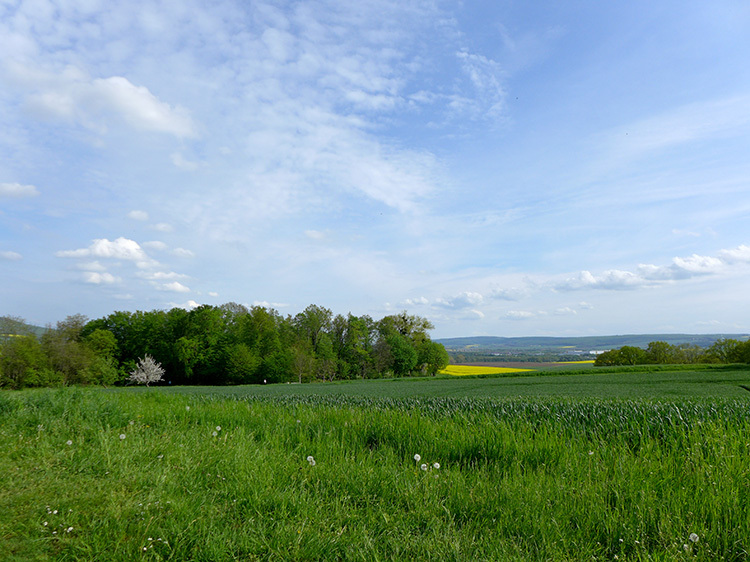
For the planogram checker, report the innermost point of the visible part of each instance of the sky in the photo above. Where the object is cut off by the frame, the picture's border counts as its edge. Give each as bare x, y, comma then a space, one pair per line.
501, 167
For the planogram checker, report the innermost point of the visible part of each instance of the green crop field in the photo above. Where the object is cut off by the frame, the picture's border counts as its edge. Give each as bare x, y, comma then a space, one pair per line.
584, 466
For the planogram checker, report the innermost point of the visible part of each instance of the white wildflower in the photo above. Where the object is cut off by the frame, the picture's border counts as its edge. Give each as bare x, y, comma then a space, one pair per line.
436, 465
311, 460
69, 442
218, 428
122, 436
423, 467
417, 457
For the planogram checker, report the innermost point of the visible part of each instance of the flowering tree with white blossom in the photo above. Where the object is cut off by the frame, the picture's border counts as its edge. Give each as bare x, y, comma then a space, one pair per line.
148, 371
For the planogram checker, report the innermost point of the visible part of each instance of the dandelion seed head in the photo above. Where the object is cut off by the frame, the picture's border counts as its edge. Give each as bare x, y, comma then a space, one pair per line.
310, 458
69, 442
187, 407
423, 467
218, 428
436, 465
132, 422
214, 434
693, 537
417, 457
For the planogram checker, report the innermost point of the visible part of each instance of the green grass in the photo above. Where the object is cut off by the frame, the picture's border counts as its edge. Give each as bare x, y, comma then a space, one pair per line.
654, 382
523, 476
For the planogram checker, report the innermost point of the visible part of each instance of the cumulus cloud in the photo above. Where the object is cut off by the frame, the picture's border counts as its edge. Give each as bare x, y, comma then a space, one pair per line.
189, 305
10, 256
175, 286
466, 299
17, 190
740, 254
416, 301
73, 96
612, 279
681, 268
120, 248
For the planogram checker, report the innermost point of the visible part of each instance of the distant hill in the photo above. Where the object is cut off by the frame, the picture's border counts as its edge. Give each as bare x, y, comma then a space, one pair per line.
586, 343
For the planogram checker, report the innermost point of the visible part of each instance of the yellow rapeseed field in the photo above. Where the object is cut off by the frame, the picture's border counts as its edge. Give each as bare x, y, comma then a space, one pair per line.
576, 362
464, 370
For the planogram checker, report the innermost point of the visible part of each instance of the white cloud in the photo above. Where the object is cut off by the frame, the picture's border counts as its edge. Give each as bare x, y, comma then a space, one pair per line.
474, 315
183, 253
463, 300
155, 245
120, 248
17, 190
266, 304
416, 301
740, 254
213, 294
97, 278
162, 275
163, 227
189, 305
138, 215
511, 294
612, 279
10, 256
565, 311
520, 315
175, 286
73, 96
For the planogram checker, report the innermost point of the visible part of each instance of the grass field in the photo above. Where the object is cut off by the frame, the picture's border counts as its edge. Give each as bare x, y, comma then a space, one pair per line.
615, 465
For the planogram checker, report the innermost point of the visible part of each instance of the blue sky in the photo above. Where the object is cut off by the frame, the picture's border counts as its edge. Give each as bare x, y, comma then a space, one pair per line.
501, 168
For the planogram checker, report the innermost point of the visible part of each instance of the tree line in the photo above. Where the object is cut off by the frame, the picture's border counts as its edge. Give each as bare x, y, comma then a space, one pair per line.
660, 353
218, 345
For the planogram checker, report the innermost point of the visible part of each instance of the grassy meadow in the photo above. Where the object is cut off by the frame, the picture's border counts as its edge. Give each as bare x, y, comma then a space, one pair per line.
545, 467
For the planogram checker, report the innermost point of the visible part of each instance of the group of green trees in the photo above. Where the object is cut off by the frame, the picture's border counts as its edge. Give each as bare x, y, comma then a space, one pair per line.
660, 353
219, 345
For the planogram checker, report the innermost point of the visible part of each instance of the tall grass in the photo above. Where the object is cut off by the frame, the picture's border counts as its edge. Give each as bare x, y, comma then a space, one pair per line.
156, 475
